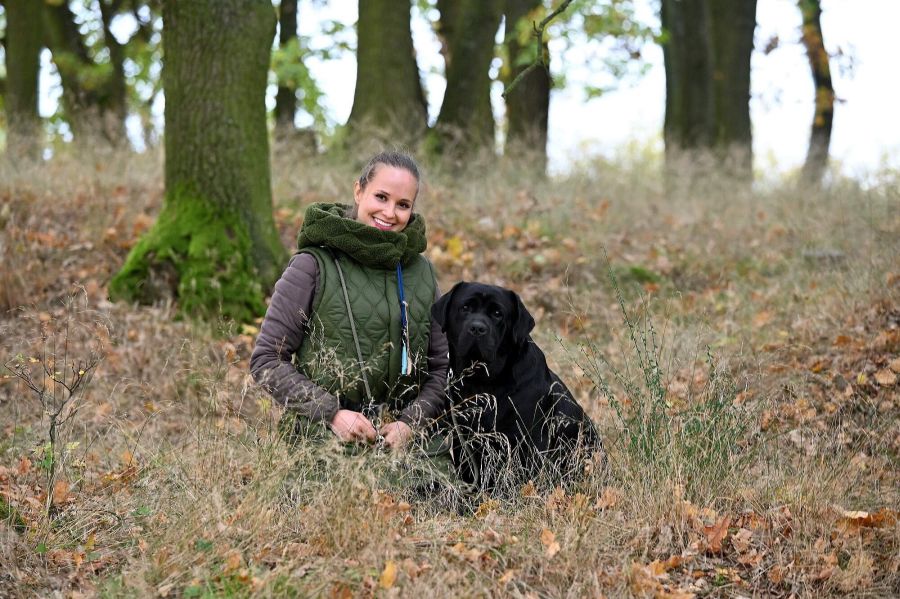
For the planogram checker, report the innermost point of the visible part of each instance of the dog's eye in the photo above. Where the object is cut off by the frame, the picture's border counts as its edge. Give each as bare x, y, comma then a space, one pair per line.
465, 308
496, 313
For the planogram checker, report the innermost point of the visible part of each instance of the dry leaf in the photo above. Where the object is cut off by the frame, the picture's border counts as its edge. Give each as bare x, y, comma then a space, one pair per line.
716, 534
233, 561
885, 377
609, 498
529, 490
761, 319
895, 365
60, 491
507, 577
388, 575
548, 540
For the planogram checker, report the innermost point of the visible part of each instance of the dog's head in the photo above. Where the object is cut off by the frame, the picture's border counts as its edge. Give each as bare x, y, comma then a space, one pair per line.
483, 323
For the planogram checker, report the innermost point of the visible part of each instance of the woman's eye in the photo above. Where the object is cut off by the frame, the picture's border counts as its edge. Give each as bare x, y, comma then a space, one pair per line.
404, 206
381, 196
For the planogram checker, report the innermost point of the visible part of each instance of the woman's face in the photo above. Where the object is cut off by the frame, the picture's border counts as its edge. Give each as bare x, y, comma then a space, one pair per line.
386, 202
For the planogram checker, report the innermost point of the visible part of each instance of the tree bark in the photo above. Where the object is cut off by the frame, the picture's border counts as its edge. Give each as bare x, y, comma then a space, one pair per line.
214, 246
689, 95
707, 63
466, 120
24, 31
528, 106
388, 102
732, 23
286, 99
823, 118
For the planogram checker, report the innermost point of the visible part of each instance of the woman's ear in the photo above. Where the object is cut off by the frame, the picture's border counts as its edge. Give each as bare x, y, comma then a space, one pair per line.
440, 310
357, 192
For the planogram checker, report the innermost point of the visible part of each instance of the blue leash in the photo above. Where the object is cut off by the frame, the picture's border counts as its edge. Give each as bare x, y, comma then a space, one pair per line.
405, 362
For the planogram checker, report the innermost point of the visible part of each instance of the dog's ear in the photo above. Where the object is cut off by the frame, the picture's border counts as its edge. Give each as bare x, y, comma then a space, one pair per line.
440, 310
522, 321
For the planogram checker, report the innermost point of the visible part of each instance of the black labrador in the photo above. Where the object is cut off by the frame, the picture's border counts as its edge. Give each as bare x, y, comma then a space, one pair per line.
512, 418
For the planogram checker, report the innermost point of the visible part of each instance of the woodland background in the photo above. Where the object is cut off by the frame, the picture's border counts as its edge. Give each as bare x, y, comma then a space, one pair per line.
736, 342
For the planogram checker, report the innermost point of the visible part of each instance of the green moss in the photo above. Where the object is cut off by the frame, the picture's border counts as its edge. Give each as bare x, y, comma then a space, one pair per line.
197, 253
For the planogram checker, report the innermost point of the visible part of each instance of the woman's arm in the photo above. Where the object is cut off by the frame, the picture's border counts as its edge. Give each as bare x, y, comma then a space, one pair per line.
280, 336
432, 399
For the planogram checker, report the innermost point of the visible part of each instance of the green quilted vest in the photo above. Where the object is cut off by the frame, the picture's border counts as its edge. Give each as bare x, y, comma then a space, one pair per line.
328, 354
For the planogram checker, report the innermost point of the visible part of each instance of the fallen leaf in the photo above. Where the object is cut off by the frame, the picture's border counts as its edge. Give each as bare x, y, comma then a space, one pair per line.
716, 533
388, 575
608, 498
60, 491
885, 377
548, 540
895, 365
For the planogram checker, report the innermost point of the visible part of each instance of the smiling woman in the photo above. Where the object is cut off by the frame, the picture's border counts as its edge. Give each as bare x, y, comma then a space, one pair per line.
347, 343
386, 191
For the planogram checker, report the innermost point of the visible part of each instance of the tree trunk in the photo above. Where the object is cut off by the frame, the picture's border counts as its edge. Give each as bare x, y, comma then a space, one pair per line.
286, 99
528, 106
707, 62
466, 121
689, 95
732, 23
444, 28
820, 133
388, 102
214, 246
91, 104
24, 32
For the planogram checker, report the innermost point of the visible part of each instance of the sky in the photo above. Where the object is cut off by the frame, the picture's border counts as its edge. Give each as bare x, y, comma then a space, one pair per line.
866, 134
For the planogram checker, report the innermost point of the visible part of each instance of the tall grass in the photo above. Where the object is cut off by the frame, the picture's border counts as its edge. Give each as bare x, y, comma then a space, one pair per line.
182, 486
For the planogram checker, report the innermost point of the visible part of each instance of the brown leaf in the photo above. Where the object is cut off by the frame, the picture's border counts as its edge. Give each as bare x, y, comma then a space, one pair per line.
895, 365
716, 533
885, 377
609, 498
548, 540
60, 492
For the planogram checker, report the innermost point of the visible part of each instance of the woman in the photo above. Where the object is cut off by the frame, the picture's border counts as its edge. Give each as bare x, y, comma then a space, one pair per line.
347, 340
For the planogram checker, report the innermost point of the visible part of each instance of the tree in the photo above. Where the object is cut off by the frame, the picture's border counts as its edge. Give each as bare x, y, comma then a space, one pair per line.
706, 53
528, 105
24, 35
388, 98
466, 121
93, 92
286, 98
214, 246
823, 118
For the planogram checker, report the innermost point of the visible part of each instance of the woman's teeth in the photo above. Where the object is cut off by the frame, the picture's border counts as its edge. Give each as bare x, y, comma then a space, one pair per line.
381, 224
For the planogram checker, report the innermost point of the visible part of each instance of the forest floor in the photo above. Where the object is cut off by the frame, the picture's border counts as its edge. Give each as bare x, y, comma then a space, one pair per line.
739, 350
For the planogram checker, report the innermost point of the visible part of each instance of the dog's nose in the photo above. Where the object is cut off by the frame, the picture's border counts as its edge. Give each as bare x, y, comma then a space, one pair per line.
478, 329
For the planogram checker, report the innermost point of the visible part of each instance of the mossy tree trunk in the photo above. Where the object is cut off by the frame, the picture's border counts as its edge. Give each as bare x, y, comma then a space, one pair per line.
24, 35
466, 121
388, 101
528, 106
823, 117
214, 246
707, 63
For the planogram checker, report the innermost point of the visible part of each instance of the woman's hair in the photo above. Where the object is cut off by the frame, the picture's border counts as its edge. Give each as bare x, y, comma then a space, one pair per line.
395, 159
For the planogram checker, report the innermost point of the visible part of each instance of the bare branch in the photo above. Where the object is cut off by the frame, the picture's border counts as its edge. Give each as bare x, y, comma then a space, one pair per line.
539, 34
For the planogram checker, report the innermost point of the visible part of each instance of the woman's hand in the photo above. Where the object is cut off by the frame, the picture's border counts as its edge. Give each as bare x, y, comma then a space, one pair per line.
396, 434
352, 426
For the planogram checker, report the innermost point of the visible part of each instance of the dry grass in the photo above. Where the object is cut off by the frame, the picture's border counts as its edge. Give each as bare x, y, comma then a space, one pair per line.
769, 468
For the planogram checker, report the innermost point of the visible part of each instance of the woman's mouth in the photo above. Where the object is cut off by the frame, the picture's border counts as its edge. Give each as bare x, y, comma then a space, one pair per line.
380, 224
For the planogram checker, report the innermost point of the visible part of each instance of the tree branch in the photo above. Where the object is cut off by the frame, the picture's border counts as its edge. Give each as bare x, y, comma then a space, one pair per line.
539, 34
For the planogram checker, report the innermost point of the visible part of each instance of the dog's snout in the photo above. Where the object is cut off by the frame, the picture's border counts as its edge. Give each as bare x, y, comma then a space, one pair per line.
477, 329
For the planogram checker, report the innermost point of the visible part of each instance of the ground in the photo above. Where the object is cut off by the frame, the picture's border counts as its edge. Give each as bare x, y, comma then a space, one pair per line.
740, 351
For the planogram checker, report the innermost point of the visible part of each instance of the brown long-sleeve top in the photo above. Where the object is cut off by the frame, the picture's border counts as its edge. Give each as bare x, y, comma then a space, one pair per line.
281, 335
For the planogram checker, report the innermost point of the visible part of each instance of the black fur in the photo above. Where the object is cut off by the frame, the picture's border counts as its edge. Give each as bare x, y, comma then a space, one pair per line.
512, 418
